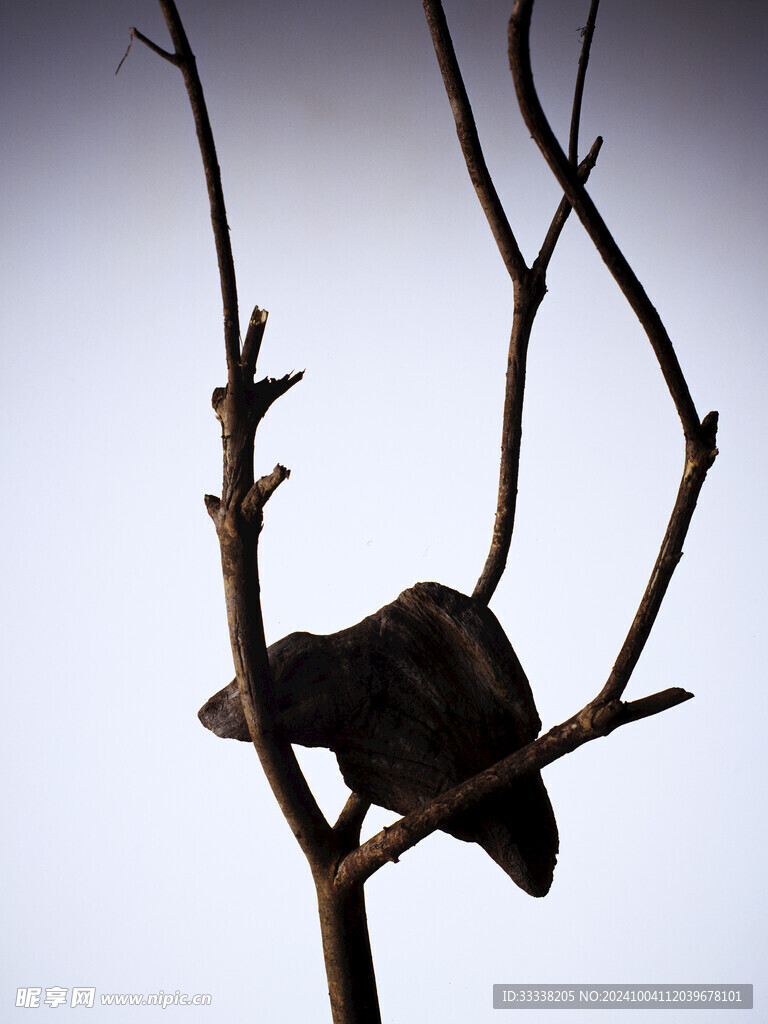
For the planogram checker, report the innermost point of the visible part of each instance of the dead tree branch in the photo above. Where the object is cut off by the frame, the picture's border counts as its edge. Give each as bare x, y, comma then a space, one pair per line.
184, 59
586, 35
593, 721
238, 513
238, 517
568, 179
700, 453
529, 283
470, 141
564, 209
606, 712
700, 450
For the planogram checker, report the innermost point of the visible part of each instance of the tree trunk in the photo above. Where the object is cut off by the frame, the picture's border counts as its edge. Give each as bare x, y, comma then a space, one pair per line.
347, 951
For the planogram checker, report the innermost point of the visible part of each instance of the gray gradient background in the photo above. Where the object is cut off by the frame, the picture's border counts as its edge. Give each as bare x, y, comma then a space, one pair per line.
142, 853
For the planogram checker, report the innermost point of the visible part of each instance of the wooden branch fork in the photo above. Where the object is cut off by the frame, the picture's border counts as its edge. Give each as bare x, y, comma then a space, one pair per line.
424, 702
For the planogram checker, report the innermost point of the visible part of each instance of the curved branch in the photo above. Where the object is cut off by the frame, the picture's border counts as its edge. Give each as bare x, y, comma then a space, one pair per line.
529, 292
528, 297
592, 721
699, 456
184, 59
564, 209
238, 513
606, 712
699, 436
567, 177
587, 32
470, 142
527, 301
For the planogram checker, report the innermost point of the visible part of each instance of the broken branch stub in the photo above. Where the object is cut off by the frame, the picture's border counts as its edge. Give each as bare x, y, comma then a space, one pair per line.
414, 699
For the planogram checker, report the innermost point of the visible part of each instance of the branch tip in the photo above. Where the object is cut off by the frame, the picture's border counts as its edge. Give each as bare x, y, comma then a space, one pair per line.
262, 491
590, 159
469, 141
586, 43
635, 710
125, 55
172, 58
564, 208
709, 429
239, 407
566, 174
213, 507
252, 344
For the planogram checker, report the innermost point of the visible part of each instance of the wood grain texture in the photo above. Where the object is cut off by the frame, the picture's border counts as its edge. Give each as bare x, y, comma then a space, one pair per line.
414, 699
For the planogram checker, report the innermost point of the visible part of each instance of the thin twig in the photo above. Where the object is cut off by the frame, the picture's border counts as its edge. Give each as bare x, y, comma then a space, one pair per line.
184, 59
606, 712
527, 302
470, 141
252, 343
568, 179
527, 299
700, 454
172, 58
529, 292
564, 209
699, 437
125, 55
586, 43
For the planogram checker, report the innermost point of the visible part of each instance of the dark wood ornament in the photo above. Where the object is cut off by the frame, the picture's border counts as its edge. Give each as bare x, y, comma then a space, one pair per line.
414, 699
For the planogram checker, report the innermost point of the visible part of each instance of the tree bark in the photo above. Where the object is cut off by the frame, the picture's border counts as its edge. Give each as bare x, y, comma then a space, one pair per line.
347, 952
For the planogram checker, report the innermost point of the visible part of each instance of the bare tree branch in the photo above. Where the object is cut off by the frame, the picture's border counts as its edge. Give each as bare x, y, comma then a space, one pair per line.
339, 865
172, 58
528, 297
591, 722
262, 491
568, 179
606, 712
699, 456
238, 518
700, 437
184, 59
564, 209
252, 343
237, 515
470, 142
529, 292
586, 33
527, 300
